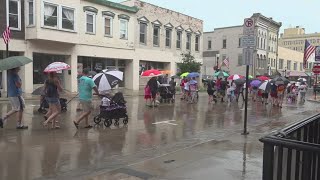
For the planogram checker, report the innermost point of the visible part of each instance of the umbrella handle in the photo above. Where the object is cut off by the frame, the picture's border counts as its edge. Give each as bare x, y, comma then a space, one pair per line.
72, 98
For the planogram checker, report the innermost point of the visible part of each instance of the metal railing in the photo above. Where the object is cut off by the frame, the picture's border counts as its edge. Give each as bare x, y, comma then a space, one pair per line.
294, 152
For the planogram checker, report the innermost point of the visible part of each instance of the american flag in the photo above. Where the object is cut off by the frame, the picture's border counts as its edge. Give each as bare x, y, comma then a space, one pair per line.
226, 62
308, 51
6, 35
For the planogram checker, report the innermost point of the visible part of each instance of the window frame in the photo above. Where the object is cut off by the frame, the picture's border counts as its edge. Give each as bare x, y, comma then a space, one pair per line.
145, 33
19, 15
179, 40
197, 44
93, 23
33, 13
170, 38
224, 43
158, 37
111, 25
61, 7
210, 43
42, 15
127, 23
240, 56
188, 42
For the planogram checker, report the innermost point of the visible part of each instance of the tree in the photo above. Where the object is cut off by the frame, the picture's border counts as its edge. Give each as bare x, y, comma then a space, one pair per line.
188, 64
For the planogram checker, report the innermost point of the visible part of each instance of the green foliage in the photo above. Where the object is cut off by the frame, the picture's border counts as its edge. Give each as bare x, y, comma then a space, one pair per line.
188, 64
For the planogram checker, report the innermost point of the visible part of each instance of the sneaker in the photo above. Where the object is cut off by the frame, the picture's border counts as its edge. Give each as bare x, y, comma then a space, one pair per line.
1, 123
88, 127
22, 127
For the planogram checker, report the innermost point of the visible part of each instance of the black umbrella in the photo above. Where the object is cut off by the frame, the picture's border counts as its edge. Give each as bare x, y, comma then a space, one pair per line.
39, 91
280, 80
240, 81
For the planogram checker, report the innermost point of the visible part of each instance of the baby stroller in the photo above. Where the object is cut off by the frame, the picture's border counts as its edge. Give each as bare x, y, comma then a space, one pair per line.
165, 94
115, 110
44, 105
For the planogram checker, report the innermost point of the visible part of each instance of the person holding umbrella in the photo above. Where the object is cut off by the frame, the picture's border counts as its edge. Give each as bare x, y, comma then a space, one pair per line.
86, 85
153, 84
15, 97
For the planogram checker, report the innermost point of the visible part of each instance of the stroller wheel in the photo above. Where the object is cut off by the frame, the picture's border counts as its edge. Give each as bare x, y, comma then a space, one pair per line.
97, 119
116, 123
125, 120
63, 109
43, 111
107, 122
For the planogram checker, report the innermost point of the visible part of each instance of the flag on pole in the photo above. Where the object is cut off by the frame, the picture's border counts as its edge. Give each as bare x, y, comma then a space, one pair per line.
226, 62
6, 35
309, 50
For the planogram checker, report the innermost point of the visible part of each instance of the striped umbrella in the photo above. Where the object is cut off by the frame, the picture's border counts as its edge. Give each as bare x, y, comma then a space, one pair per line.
107, 80
56, 67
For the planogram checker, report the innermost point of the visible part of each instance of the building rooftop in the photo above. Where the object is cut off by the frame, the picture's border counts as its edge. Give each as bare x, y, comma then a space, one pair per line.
119, 6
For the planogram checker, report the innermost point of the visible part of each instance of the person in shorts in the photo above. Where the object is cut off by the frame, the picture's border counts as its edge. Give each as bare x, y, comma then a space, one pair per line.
280, 93
15, 97
153, 85
86, 85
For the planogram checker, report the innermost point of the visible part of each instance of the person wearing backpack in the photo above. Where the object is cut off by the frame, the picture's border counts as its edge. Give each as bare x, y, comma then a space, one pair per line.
52, 87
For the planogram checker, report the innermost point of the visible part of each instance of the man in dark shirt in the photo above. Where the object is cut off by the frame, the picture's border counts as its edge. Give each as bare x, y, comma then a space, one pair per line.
153, 84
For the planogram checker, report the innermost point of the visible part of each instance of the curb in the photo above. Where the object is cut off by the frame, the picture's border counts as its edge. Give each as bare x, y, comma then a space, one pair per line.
312, 100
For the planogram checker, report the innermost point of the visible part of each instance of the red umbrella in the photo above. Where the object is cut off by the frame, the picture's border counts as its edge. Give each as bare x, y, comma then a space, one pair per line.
235, 77
263, 78
151, 72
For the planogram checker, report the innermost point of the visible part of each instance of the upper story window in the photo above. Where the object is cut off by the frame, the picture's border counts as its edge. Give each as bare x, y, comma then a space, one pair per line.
123, 29
239, 42
289, 65
143, 33
295, 66
224, 44
108, 21
14, 14
179, 38
188, 43
31, 13
209, 44
168, 38
197, 43
58, 17
90, 22
156, 35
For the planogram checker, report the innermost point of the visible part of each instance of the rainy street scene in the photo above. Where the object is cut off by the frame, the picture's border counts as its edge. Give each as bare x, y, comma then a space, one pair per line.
159, 90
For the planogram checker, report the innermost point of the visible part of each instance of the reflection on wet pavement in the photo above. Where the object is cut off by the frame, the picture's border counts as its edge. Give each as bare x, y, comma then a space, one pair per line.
210, 133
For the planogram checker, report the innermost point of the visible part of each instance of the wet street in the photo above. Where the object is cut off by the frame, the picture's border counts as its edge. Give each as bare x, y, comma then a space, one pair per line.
172, 141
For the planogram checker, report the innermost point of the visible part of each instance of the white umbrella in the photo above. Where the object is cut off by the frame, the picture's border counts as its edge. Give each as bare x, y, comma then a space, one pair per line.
265, 85
302, 80
108, 80
56, 67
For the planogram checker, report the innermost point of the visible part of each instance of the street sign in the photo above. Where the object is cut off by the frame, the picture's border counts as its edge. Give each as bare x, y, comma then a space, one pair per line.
316, 69
248, 26
247, 56
248, 41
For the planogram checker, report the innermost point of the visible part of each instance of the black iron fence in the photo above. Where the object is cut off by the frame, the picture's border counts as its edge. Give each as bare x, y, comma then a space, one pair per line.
294, 152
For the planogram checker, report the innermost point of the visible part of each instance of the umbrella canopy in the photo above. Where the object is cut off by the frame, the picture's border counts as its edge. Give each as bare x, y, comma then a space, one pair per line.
250, 77
57, 66
193, 74
280, 80
263, 78
302, 80
151, 72
184, 74
166, 72
265, 85
108, 80
39, 91
240, 81
13, 62
235, 77
221, 74
255, 83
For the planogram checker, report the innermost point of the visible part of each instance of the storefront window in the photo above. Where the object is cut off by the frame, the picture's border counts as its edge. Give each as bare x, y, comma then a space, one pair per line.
121, 63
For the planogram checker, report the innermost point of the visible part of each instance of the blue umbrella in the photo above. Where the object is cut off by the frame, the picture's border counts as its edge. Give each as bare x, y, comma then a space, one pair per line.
255, 83
193, 74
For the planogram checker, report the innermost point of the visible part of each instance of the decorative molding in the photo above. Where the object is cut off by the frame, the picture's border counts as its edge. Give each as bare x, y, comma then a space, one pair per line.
91, 9
143, 19
198, 33
179, 28
189, 30
124, 16
168, 26
108, 13
157, 23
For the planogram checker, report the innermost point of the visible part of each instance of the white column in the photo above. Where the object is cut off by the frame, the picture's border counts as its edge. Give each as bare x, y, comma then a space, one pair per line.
4, 83
26, 74
132, 75
71, 84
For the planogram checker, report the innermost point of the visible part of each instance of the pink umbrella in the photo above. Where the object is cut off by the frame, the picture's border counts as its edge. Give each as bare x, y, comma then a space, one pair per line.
56, 67
263, 78
151, 72
235, 77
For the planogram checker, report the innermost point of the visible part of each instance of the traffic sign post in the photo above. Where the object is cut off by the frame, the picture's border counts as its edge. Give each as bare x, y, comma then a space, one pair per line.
248, 42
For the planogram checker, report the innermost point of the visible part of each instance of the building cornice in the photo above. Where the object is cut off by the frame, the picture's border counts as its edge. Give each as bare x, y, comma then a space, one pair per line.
114, 5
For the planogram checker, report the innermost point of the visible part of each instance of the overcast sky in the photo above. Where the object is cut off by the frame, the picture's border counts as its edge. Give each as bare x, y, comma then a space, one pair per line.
221, 13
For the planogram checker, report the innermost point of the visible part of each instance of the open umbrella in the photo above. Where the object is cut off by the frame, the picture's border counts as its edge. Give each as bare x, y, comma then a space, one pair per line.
108, 80
263, 78
240, 81
165, 72
193, 74
265, 85
280, 80
255, 83
250, 77
302, 80
221, 74
151, 72
13, 62
235, 77
56, 67
184, 74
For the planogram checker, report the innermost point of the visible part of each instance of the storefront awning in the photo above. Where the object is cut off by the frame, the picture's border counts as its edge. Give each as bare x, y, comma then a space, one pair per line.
297, 74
